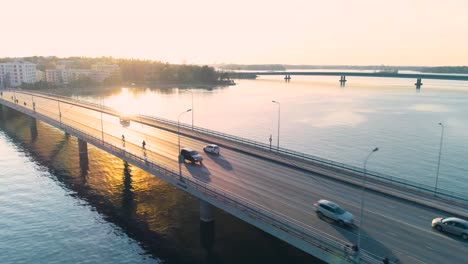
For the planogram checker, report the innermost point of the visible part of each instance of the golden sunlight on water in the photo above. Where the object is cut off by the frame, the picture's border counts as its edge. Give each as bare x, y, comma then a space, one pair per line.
124, 102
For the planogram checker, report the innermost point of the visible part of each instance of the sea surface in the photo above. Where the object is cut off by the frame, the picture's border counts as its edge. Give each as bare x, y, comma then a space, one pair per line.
51, 211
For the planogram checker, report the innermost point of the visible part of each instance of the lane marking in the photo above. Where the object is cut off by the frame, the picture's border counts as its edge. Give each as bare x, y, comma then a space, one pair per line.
412, 257
410, 225
430, 248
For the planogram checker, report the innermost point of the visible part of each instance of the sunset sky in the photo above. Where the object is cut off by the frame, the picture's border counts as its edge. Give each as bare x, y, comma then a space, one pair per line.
351, 32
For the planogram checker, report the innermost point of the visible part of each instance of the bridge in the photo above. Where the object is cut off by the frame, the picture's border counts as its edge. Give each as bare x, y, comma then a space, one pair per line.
272, 189
343, 74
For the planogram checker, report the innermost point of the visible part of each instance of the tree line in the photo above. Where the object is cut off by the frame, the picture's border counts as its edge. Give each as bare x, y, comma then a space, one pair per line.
142, 72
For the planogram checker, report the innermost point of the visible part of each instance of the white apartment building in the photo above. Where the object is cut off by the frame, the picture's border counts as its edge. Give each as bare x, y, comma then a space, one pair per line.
65, 76
56, 76
101, 71
40, 76
13, 74
109, 68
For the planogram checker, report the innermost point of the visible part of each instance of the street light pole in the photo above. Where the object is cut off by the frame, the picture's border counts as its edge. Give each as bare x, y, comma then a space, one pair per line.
279, 115
440, 154
178, 140
60, 112
364, 178
102, 125
33, 103
192, 108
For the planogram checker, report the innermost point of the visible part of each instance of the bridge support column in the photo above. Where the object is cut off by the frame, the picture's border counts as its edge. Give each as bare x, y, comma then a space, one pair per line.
418, 83
342, 80
83, 152
5, 112
206, 212
207, 225
33, 128
287, 78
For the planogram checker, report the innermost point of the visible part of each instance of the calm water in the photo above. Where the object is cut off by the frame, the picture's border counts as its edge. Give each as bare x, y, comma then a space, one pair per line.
52, 212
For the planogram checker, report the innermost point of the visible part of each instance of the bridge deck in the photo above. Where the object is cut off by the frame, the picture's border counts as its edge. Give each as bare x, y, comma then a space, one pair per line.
393, 227
415, 76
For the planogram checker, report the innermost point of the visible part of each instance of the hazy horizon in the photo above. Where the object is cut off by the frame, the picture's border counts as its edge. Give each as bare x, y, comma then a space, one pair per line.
361, 32
242, 64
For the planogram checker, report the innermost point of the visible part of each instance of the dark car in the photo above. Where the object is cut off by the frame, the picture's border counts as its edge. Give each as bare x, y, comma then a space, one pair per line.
191, 155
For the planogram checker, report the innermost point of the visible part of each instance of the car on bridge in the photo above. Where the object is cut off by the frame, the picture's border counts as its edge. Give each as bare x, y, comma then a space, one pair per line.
191, 155
124, 120
212, 148
452, 225
334, 212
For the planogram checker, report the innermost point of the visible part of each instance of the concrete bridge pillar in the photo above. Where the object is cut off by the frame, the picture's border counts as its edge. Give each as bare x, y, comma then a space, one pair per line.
342, 80
3, 113
418, 83
83, 152
207, 231
287, 78
206, 211
33, 128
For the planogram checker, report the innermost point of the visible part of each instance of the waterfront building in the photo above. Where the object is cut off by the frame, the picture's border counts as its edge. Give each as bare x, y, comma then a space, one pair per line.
62, 76
13, 74
75, 74
40, 76
56, 76
101, 71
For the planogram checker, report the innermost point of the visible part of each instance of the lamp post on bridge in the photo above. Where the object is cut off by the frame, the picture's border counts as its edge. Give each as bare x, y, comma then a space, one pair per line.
440, 154
192, 108
364, 178
33, 103
60, 112
279, 115
178, 140
102, 125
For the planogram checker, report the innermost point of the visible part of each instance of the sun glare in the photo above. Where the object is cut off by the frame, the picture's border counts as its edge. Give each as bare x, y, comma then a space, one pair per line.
125, 102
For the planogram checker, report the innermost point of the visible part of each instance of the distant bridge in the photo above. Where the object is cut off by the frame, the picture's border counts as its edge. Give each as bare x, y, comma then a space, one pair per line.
453, 77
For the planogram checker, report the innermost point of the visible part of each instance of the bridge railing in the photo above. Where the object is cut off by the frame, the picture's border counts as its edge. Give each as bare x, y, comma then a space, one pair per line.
356, 171
339, 167
314, 237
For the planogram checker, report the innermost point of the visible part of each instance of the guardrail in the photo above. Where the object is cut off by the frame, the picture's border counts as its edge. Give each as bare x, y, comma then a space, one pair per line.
419, 187
323, 241
450, 195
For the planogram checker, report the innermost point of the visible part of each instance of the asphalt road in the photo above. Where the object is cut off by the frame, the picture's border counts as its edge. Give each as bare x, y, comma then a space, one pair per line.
392, 227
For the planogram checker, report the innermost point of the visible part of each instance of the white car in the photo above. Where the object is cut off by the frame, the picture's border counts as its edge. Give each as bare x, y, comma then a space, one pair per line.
333, 211
211, 149
452, 225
